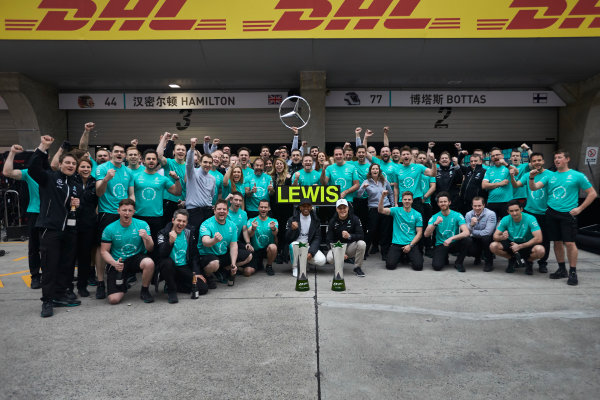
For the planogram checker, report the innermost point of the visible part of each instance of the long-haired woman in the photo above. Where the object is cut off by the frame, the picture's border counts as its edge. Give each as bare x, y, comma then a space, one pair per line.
233, 181
281, 212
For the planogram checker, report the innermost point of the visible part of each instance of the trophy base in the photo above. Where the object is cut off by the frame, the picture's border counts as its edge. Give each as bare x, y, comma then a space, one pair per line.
302, 285
338, 285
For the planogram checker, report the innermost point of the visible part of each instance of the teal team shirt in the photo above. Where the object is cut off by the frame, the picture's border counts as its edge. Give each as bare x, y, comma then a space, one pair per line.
262, 190
239, 218
343, 177
94, 166
263, 235
409, 178
248, 172
519, 232
218, 184
179, 251
125, 241
308, 179
209, 228
405, 225
116, 188
148, 190
362, 170
136, 171
425, 184
179, 169
34, 192
387, 168
520, 193
449, 227
563, 189
501, 194
537, 200
227, 190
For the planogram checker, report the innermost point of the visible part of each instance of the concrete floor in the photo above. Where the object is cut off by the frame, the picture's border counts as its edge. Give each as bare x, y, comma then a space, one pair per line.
393, 334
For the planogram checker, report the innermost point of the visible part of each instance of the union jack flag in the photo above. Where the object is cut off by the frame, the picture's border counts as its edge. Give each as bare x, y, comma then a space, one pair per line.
275, 99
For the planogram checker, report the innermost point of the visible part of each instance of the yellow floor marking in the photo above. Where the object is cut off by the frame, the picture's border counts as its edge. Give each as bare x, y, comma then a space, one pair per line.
1, 285
20, 258
15, 273
27, 280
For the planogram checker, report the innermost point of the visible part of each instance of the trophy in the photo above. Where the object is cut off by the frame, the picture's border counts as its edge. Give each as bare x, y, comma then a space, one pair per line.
300, 260
339, 251
294, 111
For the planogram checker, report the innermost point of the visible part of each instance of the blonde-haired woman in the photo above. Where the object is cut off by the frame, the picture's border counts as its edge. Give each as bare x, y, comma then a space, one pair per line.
281, 212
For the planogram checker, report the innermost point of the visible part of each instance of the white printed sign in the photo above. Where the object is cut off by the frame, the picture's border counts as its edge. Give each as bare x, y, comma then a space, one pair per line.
591, 155
90, 101
358, 98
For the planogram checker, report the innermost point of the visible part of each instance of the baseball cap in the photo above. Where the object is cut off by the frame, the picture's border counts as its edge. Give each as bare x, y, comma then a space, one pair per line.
341, 202
305, 200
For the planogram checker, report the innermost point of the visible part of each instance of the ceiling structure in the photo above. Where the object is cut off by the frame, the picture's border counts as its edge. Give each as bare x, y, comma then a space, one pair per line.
276, 64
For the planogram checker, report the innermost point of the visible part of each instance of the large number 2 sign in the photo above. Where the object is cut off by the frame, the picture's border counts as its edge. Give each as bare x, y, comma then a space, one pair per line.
445, 112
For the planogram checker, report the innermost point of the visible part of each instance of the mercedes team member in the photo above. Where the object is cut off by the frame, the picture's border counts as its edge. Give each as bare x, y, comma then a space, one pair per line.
346, 228
471, 185
561, 216
497, 182
239, 217
263, 233
200, 187
305, 227
481, 222
177, 164
259, 187
125, 243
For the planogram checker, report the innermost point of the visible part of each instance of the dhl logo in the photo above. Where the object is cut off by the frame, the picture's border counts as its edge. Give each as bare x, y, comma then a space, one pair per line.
280, 18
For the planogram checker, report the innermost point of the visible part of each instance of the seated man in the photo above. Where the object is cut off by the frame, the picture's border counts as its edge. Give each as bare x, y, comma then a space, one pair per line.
218, 248
407, 232
305, 227
518, 237
481, 222
451, 234
125, 243
346, 228
178, 254
263, 233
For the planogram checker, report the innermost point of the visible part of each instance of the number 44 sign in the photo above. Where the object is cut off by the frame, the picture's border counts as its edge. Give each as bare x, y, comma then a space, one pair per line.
591, 155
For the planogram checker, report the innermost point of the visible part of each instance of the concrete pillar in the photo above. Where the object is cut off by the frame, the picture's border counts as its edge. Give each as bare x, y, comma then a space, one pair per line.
34, 109
579, 126
313, 88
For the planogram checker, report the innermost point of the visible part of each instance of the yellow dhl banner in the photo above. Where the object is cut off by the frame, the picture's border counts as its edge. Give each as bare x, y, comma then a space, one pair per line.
295, 19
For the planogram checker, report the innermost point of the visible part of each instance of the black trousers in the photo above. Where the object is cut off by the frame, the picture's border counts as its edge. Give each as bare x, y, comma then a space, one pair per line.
33, 246
480, 245
58, 258
379, 230
396, 253
179, 278
440, 253
169, 208
361, 210
85, 242
198, 215
541, 220
499, 208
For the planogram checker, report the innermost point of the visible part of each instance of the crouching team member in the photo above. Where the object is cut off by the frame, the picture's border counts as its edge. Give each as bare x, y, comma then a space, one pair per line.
518, 235
125, 243
347, 228
407, 232
305, 227
451, 234
263, 232
178, 253
481, 223
240, 219
218, 247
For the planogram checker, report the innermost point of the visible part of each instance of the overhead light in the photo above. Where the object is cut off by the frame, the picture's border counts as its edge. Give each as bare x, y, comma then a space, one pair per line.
174, 86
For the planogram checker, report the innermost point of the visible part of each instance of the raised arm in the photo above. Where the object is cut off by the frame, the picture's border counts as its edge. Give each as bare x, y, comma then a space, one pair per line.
386, 139
85, 136
357, 132
160, 149
380, 208
8, 170
36, 164
368, 134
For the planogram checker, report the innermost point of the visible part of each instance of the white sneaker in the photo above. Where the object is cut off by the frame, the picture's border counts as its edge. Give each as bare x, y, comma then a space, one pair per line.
294, 272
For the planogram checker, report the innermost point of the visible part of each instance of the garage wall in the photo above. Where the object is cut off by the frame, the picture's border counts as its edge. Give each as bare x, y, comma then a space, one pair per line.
8, 134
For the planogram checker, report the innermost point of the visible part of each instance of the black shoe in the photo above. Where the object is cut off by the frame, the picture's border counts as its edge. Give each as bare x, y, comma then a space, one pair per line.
460, 267
83, 292
383, 256
559, 273
477, 261
359, 272
511, 266
92, 281
447, 261
36, 283
146, 296
373, 250
528, 268
100, 291
173, 298
572, 279
64, 301
350, 260
70, 294
543, 269
279, 259
269, 270
488, 267
47, 309
211, 282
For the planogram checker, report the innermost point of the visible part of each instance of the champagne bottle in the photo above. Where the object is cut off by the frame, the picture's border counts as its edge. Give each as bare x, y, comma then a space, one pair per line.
119, 279
72, 218
195, 292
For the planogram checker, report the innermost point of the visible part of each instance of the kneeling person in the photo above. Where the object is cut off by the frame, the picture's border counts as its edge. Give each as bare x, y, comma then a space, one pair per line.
178, 254
518, 236
407, 229
451, 234
346, 228
305, 227
263, 233
125, 243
